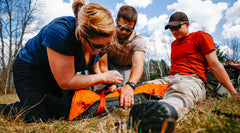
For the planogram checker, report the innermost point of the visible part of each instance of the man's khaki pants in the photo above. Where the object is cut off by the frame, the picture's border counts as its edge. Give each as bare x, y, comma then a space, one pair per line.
183, 93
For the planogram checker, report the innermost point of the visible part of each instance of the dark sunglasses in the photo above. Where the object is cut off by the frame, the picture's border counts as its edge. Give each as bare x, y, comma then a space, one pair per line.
121, 27
177, 27
96, 47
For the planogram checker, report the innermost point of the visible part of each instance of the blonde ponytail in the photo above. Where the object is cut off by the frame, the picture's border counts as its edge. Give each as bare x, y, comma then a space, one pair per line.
92, 20
76, 6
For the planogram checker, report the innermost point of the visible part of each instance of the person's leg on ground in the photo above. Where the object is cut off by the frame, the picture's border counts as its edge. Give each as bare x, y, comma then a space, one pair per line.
31, 90
184, 92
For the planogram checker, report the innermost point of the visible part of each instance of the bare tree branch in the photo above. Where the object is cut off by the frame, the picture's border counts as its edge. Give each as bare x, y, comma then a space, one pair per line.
16, 15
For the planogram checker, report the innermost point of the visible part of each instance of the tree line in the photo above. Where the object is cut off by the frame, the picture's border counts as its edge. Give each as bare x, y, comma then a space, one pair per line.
17, 15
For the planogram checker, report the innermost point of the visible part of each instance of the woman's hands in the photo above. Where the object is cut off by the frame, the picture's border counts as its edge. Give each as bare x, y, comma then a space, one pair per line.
112, 77
62, 68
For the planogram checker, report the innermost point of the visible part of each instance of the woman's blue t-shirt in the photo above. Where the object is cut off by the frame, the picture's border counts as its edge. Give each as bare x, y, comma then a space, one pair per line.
58, 35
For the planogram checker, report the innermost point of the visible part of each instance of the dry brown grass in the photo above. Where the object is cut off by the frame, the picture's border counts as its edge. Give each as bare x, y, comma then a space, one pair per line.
101, 124
9, 98
205, 119
200, 120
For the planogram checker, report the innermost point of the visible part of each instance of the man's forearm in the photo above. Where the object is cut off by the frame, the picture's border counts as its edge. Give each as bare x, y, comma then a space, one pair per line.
137, 68
136, 74
222, 77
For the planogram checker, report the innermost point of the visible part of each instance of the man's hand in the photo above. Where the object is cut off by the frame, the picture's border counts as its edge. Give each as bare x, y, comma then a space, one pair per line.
236, 94
126, 96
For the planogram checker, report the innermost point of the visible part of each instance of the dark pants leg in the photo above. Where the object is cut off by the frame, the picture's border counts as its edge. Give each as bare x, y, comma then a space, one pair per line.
40, 96
59, 107
31, 106
31, 90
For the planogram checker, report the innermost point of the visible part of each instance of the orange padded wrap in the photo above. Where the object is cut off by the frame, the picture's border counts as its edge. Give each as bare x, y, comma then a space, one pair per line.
83, 99
151, 88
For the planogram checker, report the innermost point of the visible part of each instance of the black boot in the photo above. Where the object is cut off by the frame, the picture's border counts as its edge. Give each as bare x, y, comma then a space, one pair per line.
2, 106
153, 116
11, 109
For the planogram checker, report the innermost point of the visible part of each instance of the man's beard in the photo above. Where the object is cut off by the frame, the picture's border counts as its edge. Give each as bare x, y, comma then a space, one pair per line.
120, 39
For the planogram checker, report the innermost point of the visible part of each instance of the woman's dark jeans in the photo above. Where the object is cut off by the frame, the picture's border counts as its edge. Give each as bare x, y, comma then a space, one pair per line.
38, 98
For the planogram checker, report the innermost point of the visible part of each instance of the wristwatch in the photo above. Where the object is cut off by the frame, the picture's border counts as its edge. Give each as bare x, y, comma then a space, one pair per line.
131, 84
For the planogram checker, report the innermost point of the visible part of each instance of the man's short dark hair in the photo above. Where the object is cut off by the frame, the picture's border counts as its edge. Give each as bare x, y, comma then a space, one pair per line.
128, 13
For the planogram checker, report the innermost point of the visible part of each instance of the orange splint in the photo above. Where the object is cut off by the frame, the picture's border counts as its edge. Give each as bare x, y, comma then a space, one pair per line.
84, 98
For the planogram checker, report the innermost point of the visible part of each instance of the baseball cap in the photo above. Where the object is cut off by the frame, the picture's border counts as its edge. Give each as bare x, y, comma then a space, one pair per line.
176, 19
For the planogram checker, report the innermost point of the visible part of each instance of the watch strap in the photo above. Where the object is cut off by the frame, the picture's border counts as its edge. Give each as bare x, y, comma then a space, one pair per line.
133, 85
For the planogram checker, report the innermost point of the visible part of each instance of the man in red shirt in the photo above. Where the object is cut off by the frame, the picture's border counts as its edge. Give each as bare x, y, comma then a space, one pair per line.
191, 55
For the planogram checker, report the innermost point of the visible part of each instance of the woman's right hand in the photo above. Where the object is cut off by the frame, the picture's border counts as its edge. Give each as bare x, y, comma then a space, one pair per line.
112, 77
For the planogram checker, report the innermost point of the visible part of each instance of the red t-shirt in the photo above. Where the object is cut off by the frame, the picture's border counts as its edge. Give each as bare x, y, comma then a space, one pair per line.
187, 56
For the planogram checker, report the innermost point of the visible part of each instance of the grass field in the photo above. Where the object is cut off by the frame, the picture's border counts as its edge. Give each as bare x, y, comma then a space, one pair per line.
211, 116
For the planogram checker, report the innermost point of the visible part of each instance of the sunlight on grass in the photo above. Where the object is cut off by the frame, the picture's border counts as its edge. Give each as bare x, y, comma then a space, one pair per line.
205, 119
9, 98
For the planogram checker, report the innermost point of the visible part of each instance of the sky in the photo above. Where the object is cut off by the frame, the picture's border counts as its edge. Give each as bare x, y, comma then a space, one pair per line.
219, 18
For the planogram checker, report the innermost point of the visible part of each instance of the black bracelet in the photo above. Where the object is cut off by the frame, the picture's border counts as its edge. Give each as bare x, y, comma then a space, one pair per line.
131, 84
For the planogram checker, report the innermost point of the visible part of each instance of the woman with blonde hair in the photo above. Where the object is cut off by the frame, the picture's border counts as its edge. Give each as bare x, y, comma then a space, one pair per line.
47, 67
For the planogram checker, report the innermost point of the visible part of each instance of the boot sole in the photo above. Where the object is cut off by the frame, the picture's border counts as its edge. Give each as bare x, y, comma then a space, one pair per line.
151, 116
